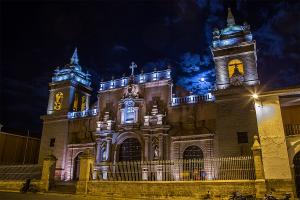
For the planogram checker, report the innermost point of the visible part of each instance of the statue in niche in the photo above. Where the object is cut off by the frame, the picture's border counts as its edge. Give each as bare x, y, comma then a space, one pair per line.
156, 152
103, 152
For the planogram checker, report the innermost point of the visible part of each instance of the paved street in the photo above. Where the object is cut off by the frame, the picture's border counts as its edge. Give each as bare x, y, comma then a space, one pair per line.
55, 196
48, 196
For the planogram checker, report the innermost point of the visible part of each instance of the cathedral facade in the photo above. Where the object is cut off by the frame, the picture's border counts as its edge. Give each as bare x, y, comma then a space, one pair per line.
143, 117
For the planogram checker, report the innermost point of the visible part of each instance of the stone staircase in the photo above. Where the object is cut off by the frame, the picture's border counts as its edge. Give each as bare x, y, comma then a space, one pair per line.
64, 187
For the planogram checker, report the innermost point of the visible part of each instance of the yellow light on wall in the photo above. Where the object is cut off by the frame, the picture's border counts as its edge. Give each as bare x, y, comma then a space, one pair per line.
58, 101
83, 102
75, 105
235, 63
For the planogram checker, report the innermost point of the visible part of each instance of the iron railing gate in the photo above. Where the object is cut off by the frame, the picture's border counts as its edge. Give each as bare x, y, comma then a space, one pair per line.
230, 168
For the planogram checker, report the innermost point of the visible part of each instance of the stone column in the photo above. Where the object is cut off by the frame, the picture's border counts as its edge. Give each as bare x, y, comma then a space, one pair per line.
260, 184
48, 172
159, 172
146, 138
275, 158
85, 173
161, 146
98, 156
108, 149
258, 165
145, 173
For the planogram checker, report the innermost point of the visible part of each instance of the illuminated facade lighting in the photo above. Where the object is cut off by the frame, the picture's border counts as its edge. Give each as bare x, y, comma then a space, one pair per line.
255, 96
72, 72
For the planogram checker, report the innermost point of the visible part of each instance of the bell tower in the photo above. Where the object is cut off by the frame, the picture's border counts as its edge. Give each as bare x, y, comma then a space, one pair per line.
69, 92
234, 54
70, 88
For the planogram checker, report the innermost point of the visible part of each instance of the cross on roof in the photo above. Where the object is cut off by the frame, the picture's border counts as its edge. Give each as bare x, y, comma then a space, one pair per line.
132, 66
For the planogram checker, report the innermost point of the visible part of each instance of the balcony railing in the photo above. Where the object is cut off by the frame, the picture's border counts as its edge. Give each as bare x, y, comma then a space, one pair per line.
192, 99
85, 113
292, 129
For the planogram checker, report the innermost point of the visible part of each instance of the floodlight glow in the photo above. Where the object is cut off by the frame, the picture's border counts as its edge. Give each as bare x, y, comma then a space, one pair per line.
255, 96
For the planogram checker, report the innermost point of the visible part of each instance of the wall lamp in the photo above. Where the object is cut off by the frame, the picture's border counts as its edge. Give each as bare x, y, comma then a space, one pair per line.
257, 100
255, 96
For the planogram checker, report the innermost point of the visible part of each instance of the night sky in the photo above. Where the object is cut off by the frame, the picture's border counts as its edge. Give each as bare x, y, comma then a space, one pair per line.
38, 37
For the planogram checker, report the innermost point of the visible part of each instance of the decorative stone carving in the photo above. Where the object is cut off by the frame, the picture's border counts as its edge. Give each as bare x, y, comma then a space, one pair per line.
146, 120
131, 91
106, 123
155, 147
155, 118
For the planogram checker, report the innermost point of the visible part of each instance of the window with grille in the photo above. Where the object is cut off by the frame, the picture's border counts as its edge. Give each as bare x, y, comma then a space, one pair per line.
242, 137
130, 149
52, 142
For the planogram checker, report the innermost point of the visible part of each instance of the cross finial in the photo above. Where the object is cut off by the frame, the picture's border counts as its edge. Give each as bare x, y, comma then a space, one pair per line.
74, 58
132, 66
230, 18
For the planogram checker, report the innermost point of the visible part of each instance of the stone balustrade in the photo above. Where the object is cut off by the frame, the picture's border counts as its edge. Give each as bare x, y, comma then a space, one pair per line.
139, 79
85, 113
292, 129
192, 99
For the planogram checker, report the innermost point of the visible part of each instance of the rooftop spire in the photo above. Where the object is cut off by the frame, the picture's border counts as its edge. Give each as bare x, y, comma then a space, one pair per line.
230, 18
74, 59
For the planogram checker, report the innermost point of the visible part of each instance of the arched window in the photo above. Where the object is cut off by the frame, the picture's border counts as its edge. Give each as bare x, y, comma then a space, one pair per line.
130, 149
296, 162
129, 114
235, 63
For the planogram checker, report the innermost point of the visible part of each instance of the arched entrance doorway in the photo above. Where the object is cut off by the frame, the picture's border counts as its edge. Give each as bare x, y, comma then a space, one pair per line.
76, 168
193, 163
296, 162
130, 149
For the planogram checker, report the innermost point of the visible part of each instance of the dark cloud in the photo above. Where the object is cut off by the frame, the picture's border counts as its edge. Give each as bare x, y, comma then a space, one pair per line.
197, 73
119, 48
159, 64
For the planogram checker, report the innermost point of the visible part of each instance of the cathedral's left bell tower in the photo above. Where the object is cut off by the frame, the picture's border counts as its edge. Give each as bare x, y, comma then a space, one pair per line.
70, 89
69, 92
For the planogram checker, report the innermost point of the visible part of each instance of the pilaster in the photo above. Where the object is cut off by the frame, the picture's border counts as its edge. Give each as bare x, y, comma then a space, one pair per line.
275, 159
48, 172
260, 184
86, 170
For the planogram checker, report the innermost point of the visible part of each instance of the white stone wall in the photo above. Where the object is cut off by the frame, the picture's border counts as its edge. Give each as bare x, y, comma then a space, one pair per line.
59, 130
73, 151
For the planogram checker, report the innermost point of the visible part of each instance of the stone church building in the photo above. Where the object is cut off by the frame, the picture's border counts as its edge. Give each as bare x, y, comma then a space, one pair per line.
144, 117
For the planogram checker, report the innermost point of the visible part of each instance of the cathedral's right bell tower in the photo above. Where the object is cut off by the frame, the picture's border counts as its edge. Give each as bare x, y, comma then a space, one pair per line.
234, 54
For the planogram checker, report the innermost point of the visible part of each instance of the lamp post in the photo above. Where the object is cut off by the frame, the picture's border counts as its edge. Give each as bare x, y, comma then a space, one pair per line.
25, 152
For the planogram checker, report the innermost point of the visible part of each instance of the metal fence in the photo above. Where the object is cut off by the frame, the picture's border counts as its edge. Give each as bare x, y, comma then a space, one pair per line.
292, 129
229, 168
20, 172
